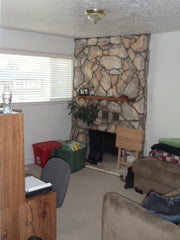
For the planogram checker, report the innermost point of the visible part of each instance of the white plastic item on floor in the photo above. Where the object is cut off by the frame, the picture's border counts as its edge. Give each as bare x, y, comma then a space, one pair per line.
130, 158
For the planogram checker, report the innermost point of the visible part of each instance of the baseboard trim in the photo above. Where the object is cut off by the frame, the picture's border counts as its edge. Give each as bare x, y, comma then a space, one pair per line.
104, 171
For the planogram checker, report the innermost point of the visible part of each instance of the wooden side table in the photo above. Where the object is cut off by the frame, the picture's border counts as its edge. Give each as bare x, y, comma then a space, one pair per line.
129, 139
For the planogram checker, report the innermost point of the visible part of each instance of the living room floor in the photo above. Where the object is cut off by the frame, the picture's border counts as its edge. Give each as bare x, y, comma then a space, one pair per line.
109, 165
80, 216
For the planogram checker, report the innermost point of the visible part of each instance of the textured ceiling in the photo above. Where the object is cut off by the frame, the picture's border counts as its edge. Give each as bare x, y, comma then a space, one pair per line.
66, 17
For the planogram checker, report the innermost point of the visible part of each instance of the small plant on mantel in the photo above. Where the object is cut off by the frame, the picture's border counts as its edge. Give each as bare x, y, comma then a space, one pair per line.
88, 114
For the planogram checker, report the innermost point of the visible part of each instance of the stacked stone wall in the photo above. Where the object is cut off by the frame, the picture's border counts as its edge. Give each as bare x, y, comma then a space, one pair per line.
118, 63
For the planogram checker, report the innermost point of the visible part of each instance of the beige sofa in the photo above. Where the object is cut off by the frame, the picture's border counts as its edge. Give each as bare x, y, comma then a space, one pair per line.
153, 174
123, 219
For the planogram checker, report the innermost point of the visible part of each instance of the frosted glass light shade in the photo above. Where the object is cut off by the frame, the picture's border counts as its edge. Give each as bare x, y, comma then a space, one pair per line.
95, 15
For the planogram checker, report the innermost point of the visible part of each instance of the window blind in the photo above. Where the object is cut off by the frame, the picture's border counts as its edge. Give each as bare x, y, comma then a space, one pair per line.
36, 78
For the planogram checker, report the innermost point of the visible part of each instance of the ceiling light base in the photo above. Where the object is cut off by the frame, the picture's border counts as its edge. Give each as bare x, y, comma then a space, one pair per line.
95, 15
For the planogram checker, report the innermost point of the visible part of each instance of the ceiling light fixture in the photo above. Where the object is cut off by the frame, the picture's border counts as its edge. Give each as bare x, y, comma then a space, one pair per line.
95, 14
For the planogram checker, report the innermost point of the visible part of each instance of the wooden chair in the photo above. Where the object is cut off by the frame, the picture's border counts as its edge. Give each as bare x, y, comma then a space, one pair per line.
129, 139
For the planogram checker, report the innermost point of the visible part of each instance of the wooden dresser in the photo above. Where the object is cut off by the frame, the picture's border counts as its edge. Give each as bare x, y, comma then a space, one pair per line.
21, 218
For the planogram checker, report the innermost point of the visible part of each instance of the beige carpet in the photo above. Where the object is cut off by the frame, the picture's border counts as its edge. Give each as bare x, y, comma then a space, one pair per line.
80, 216
109, 165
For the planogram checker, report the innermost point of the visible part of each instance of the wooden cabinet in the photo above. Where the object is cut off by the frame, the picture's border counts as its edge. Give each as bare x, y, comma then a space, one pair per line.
37, 217
11, 160
21, 218
12, 223
41, 216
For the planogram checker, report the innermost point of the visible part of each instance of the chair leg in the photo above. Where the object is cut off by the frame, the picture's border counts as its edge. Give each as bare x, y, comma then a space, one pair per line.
119, 157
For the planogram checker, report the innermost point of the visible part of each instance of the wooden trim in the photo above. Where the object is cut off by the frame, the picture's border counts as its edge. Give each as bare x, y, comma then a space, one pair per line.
113, 99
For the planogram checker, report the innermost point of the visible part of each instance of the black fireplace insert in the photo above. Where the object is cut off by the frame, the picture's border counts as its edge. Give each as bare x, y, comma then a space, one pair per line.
101, 143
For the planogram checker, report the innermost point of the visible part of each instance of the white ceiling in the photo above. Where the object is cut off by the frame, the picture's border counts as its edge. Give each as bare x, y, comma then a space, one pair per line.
66, 17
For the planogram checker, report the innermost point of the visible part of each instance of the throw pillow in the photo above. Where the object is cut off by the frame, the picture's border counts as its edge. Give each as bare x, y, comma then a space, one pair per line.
174, 142
164, 207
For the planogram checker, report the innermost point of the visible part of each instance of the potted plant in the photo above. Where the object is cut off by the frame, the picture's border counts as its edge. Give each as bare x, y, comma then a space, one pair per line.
87, 114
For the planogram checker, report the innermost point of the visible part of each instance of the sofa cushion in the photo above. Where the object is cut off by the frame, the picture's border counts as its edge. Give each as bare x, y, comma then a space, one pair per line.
172, 194
152, 174
146, 185
153, 169
165, 156
174, 142
166, 148
164, 207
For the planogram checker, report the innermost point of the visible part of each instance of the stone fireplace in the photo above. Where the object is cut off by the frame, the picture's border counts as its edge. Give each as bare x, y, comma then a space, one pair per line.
118, 64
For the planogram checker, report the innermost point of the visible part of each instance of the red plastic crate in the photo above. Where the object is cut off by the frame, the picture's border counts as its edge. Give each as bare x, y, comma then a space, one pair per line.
42, 151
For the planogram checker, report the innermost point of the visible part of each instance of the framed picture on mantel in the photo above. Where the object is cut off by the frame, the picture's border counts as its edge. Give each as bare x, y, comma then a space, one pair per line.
83, 91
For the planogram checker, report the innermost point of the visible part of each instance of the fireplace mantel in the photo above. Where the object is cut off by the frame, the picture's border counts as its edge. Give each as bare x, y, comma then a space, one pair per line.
113, 99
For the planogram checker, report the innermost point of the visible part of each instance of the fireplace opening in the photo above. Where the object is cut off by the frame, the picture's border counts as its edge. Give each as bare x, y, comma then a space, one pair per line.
101, 143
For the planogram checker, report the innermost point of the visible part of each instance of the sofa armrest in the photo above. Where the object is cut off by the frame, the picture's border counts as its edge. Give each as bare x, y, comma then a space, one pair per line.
153, 174
123, 219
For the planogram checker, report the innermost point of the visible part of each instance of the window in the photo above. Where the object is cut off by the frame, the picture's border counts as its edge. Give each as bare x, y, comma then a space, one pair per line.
36, 78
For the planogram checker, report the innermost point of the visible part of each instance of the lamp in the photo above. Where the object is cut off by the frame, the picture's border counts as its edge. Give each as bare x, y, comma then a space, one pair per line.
95, 14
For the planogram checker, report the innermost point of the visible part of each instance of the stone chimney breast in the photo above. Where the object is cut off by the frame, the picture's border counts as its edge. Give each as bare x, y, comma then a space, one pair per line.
118, 63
